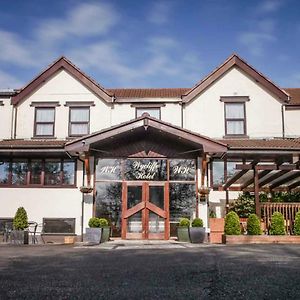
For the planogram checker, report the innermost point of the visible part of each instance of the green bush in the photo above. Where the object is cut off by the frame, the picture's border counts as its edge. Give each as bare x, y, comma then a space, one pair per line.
197, 222
244, 205
232, 224
184, 222
253, 225
212, 214
297, 224
94, 222
20, 221
103, 222
277, 224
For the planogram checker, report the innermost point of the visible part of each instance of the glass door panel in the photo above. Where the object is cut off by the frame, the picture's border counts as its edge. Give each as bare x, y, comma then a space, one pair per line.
134, 223
156, 223
134, 195
156, 196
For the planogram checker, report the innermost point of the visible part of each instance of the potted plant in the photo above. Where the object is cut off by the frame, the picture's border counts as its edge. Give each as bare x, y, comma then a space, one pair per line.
183, 230
197, 231
86, 189
253, 225
105, 230
20, 222
277, 224
94, 232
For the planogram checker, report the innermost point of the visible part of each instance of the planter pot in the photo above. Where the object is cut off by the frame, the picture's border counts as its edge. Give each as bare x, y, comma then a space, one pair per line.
86, 189
261, 239
93, 235
197, 234
105, 234
19, 237
216, 226
183, 234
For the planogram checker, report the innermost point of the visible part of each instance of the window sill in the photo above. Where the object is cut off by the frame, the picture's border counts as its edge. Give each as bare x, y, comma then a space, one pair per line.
38, 186
44, 137
236, 136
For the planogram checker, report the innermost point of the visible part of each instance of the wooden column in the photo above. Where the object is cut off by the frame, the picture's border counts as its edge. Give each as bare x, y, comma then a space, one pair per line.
256, 192
87, 168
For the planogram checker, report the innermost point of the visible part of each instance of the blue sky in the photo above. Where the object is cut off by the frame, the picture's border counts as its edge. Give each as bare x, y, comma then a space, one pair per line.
139, 43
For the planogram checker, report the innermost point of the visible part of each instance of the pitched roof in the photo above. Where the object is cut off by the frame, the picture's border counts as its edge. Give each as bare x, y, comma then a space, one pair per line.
294, 94
235, 60
62, 63
262, 144
20, 143
148, 92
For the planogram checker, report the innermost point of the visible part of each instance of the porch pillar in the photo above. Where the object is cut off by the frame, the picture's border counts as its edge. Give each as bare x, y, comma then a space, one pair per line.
87, 168
256, 192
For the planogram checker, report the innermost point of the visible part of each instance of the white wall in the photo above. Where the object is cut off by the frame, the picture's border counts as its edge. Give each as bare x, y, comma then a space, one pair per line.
6, 119
292, 123
62, 87
205, 114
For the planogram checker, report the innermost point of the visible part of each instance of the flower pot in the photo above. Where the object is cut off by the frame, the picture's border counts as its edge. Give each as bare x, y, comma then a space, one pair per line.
216, 226
183, 234
93, 235
197, 234
86, 189
19, 237
105, 234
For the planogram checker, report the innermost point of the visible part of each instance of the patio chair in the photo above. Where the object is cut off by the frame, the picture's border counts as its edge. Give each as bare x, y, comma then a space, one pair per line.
32, 227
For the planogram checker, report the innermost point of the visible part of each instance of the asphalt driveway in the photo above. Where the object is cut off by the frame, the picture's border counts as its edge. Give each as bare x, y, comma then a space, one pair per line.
208, 272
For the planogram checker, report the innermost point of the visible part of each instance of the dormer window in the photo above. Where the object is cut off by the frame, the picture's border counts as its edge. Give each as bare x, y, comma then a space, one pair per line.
44, 122
152, 111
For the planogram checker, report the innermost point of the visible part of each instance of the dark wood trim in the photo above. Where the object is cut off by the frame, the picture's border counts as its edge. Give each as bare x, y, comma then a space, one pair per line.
291, 176
292, 107
235, 61
256, 192
47, 104
148, 104
272, 177
62, 63
79, 103
44, 123
234, 99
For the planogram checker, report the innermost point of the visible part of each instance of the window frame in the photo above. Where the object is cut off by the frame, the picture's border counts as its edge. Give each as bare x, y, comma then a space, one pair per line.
43, 123
28, 183
78, 123
146, 108
244, 120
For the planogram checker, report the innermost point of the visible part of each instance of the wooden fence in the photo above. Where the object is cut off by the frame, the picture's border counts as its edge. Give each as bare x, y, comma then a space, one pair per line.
288, 210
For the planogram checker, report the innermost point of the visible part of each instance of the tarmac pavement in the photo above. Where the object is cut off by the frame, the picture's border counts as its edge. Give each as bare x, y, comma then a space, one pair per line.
150, 271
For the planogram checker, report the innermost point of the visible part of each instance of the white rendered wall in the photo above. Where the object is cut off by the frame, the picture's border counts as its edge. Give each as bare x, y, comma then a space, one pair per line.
292, 123
6, 119
62, 87
205, 114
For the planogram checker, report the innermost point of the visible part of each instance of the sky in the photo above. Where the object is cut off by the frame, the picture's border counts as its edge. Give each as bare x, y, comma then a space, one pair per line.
149, 43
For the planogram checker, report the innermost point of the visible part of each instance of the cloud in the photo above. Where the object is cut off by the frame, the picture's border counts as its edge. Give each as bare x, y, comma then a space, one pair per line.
269, 6
159, 13
8, 81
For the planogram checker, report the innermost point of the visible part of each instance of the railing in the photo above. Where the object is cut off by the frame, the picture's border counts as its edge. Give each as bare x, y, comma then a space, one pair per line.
288, 210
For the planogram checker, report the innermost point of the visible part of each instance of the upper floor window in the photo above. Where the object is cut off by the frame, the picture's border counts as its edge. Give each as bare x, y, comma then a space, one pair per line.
44, 121
235, 118
79, 121
152, 111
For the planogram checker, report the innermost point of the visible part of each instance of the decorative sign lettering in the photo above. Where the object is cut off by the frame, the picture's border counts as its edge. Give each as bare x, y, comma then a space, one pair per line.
108, 169
146, 169
182, 169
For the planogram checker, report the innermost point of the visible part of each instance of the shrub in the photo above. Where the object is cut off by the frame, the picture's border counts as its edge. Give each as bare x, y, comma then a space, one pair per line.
20, 221
277, 224
297, 224
103, 222
94, 222
253, 225
212, 214
232, 224
197, 222
184, 222
244, 205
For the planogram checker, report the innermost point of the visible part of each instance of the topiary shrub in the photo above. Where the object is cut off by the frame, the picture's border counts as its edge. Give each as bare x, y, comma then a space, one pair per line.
232, 224
253, 225
197, 222
184, 222
297, 224
103, 222
94, 222
277, 224
20, 221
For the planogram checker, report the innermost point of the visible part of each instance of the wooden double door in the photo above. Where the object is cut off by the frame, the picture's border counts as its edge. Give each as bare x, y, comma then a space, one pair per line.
145, 210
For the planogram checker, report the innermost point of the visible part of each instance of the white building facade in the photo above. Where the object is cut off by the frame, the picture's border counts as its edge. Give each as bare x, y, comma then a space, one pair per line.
143, 157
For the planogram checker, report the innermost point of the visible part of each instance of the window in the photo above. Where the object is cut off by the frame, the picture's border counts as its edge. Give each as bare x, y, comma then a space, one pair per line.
235, 119
152, 111
44, 121
37, 172
79, 121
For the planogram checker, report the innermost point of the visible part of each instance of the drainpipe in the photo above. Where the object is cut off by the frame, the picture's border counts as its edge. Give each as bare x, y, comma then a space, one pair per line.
283, 123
